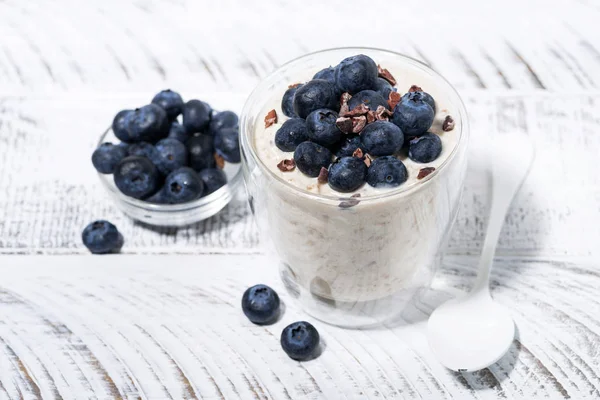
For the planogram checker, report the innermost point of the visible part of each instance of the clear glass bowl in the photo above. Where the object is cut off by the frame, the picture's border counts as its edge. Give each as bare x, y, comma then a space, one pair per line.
354, 262
173, 215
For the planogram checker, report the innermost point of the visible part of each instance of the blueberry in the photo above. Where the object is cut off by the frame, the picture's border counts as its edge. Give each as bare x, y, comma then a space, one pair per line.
425, 148
293, 132
313, 95
181, 186
222, 120
300, 340
137, 177
260, 303
347, 174
172, 154
322, 128
327, 74
356, 73
311, 157
158, 197
227, 144
287, 101
386, 171
413, 115
369, 98
381, 138
196, 116
106, 157
349, 146
170, 101
120, 125
427, 98
178, 132
213, 179
201, 152
101, 237
144, 149
148, 124
383, 87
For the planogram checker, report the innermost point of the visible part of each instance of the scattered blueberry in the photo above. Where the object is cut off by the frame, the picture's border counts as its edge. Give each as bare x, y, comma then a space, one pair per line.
347, 174
348, 146
413, 115
181, 186
120, 125
382, 138
222, 120
313, 95
196, 116
287, 101
386, 171
227, 144
425, 148
106, 157
201, 152
293, 132
101, 237
213, 179
356, 73
178, 132
327, 74
172, 154
148, 124
369, 98
170, 101
260, 303
383, 87
300, 340
136, 177
311, 157
322, 128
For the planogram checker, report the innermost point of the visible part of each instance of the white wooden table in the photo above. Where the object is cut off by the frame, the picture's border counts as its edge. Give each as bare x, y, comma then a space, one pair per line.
163, 319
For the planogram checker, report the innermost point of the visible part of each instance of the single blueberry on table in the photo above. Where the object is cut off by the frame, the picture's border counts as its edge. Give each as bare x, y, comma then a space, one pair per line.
356, 73
300, 341
201, 152
181, 186
178, 132
213, 179
425, 148
148, 124
369, 98
287, 101
382, 138
322, 128
349, 145
311, 157
196, 116
227, 144
170, 101
222, 120
260, 303
120, 125
106, 157
137, 177
347, 174
386, 171
293, 132
313, 95
413, 115
383, 87
327, 74
101, 237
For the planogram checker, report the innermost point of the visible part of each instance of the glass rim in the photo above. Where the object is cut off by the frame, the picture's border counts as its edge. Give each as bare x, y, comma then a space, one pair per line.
245, 119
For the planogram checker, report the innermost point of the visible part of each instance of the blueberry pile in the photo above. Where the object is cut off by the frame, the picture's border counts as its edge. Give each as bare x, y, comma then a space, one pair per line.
171, 151
348, 125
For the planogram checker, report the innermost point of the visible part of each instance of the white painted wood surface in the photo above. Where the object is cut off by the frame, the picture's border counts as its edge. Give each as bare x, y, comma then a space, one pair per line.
77, 326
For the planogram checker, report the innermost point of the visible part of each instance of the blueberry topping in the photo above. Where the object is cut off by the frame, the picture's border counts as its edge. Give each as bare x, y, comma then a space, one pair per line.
383, 87
181, 186
120, 125
327, 74
382, 138
227, 144
356, 73
287, 102
347, 174
313, 95
427, 98
136, 177
386, 171
222, 120
425, 148
260, 303
213, 179
311, 157
322, 128
413, 115
293, 132
101, 237
148, 124
178, 132
349, 146
196, 116
369, 98
170, 101
171, 155
201, 152
106, 157
300, 340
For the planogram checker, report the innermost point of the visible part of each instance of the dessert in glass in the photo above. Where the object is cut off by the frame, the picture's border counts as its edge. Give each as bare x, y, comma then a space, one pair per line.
354, 179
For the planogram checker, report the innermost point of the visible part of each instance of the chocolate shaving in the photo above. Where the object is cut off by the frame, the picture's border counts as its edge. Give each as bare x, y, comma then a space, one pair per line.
415, 88
220, 161
448, 124
358, 153
358, 123
344, 124
323, 175
270, 118
371, 117
368, 160
423, 172
350, 202
360, 109
293, 85
382, 114
286, 165
385, 74
393, 99
344, 99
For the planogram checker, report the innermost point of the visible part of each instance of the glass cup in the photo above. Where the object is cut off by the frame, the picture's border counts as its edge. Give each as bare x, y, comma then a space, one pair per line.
353, 261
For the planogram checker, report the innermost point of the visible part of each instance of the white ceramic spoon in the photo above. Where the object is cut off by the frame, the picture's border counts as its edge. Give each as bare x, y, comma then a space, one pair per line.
472, 332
